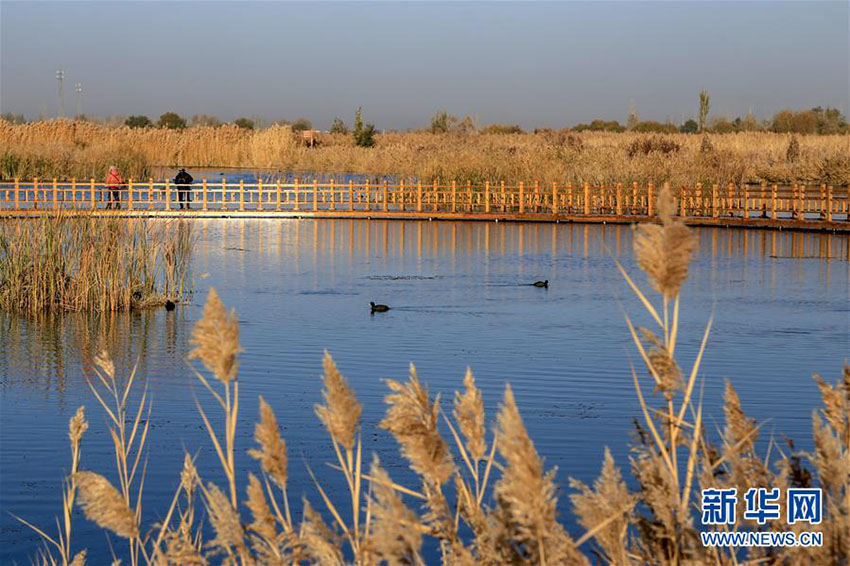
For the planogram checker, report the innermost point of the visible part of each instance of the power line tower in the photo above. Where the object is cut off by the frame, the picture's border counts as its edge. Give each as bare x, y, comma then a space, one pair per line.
60, 78
78, 88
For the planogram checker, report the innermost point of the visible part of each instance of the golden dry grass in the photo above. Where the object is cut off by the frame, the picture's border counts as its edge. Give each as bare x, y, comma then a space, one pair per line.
61, 263
64, 149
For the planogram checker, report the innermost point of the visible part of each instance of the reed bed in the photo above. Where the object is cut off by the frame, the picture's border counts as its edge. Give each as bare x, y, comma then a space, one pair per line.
65, 149
483, 494
61, 263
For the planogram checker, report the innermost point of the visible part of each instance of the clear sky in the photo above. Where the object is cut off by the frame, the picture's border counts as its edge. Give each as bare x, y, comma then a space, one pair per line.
536, 64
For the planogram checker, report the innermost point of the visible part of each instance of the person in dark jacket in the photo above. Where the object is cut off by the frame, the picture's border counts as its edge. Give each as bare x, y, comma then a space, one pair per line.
184, 190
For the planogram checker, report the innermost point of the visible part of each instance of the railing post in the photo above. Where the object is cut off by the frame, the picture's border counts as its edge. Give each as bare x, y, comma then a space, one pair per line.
634, 197
650, 208
223, 194
554, 197
151, 194
683, 204
586, 198
829, 204
469, 194
773, 190
260, 194
241, 195
802, 201
763, 199
55, 196
204, 203
17, 194
350, 194
536, 198
368, 194
386, 196
714, 190
436, 195
746, 201
333, 197
569, 197
618, 206
454, 196
91, 192
730, 193
504, 200
168, 194
822, 205
35, 192
401, 189
74, 192
418, 196
315, 195
521, 197
129, 194
697, 208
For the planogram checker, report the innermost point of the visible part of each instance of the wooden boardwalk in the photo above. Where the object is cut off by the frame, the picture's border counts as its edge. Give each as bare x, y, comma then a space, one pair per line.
798, 207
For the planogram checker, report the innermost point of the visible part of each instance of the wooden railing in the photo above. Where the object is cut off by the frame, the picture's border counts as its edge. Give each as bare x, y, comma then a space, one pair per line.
516, 200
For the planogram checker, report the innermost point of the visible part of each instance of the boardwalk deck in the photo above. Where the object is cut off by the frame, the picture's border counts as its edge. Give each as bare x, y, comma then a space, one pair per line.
796, 207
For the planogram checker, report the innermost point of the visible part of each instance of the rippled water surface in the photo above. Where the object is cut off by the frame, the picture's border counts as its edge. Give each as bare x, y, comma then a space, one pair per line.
461, 297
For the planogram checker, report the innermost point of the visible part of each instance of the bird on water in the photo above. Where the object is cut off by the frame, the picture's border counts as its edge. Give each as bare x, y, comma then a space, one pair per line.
378, 308
544, 284
169, 305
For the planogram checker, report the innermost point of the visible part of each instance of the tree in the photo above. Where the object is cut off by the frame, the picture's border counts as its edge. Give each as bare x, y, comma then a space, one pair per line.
782, 121
171, 121
14, 118
139, 121
721, 125
442, 122
703, 109
204, 120
689, 127
339, 127
633, 118
301, 125
650, 126
245, 123
364, 134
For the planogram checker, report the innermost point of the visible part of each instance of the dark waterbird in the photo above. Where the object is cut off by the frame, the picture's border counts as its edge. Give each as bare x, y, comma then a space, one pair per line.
169, 305
378, 308
544, 284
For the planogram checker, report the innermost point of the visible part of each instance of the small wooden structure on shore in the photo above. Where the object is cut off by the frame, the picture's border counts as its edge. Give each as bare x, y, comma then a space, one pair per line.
764, 206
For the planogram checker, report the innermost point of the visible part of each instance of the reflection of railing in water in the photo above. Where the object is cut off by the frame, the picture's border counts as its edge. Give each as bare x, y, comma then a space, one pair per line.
761, 205
300, 244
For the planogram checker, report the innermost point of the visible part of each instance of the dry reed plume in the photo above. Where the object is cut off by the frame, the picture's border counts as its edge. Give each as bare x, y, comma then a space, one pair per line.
481, 498
59, 263
65, 149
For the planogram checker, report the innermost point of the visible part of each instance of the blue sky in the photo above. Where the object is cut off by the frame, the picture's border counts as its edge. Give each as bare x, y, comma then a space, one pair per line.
536, 64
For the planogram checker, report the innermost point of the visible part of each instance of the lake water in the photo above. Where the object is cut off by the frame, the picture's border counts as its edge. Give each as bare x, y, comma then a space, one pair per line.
461, 296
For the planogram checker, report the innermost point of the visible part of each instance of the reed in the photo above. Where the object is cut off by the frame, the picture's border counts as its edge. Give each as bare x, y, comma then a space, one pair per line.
483, 498
65, 149
60, 263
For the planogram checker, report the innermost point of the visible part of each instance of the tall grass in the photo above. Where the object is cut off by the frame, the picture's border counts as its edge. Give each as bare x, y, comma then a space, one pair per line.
61, 263
65, 149
483, 494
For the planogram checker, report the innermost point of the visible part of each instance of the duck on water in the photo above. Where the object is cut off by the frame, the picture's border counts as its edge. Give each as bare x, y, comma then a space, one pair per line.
378, 308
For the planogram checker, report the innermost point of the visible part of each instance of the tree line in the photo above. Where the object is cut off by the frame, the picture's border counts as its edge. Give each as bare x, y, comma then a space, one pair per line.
816, 120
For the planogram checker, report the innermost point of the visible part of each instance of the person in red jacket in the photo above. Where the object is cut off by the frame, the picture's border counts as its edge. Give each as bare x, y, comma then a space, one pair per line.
113, 187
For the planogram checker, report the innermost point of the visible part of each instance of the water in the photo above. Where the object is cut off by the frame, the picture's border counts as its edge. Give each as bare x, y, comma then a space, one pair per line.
461, 296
